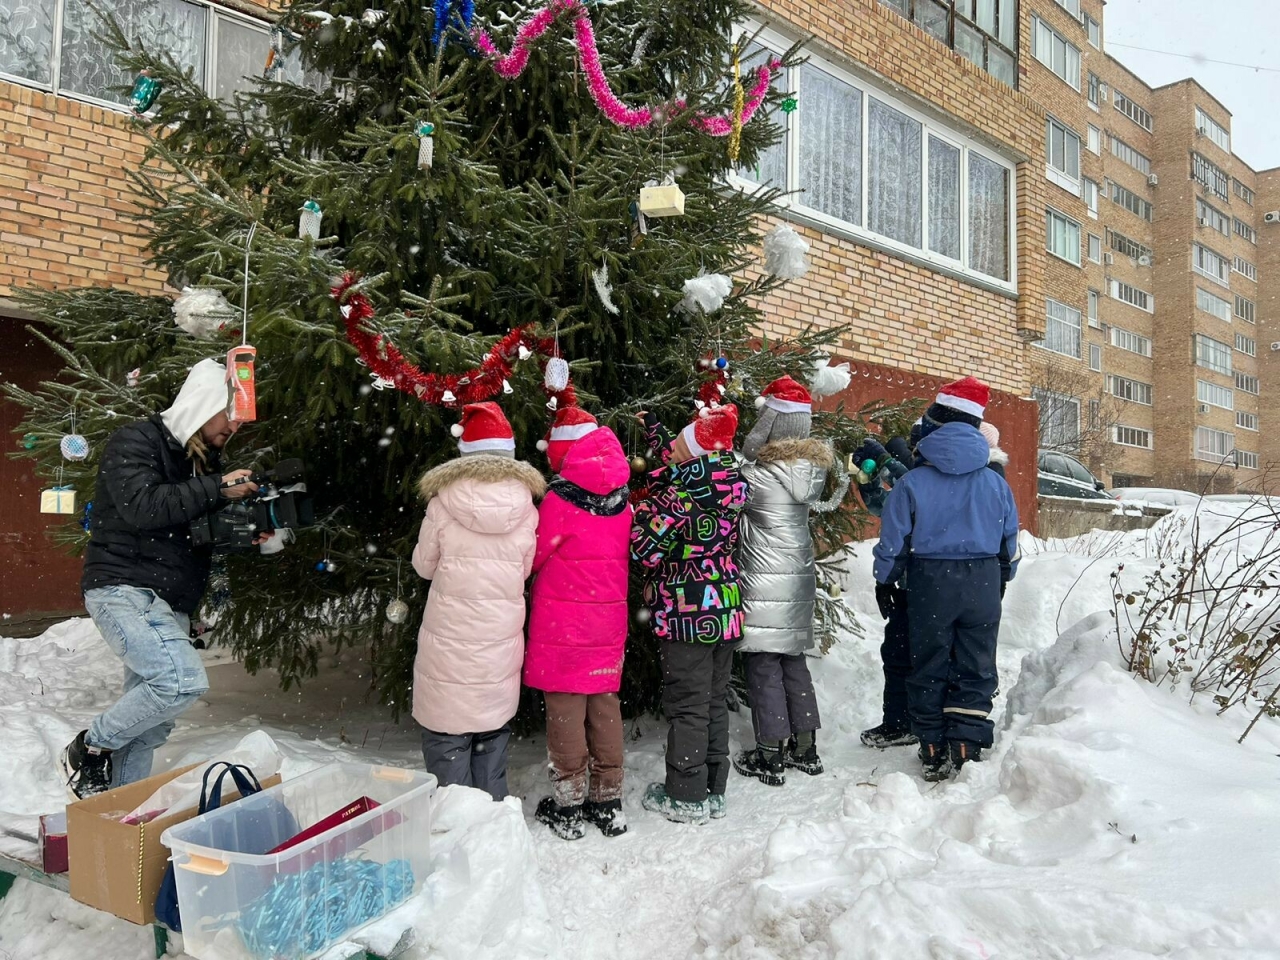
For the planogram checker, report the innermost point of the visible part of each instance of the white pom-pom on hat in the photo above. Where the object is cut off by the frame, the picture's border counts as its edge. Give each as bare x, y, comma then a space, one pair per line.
760, 402
704, 412
542, 445
456, 430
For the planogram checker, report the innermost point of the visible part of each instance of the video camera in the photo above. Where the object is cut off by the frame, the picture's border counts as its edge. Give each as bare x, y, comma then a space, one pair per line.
281, 503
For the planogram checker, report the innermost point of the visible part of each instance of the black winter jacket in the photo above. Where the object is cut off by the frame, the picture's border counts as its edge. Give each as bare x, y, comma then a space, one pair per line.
145, 498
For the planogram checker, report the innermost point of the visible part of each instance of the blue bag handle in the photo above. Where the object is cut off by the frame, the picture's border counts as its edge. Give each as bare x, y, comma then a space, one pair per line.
245, 781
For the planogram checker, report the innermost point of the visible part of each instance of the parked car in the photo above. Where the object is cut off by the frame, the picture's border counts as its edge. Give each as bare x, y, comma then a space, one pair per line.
1157, 495
1061, 475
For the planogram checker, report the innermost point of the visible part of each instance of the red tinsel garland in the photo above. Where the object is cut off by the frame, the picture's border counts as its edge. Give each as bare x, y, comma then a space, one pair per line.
475, 385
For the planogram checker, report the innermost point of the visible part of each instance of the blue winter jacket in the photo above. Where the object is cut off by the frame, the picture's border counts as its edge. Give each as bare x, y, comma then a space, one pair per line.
950, 507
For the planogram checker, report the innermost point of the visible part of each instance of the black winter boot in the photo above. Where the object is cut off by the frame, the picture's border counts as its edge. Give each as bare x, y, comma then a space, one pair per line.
88, 771
565, 822
962, 752
936, 760
607, 815
765, 765
882, 737
802, 754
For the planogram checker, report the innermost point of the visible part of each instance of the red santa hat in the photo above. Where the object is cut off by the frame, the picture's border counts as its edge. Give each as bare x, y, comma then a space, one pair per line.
969, 396
570, 425
786, 396
712, 429
484, 429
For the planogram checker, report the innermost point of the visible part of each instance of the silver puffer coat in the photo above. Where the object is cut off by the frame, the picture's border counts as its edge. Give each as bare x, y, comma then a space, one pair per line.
775, 552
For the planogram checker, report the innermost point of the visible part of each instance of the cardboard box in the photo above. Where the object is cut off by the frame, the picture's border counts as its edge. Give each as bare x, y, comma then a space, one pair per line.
664, 201
53, 842
118, 867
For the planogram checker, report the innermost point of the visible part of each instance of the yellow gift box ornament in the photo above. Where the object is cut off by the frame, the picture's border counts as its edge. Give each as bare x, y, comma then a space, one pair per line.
58, 500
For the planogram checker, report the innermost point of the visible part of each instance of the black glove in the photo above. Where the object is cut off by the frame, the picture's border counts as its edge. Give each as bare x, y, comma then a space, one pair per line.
886, 599
869, 449
1004, 584
899, 450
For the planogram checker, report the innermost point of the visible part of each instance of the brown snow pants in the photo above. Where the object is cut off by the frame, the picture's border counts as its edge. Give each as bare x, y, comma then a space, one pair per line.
584, 734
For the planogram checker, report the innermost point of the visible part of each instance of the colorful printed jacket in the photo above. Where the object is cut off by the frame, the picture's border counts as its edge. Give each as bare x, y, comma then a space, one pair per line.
685, 535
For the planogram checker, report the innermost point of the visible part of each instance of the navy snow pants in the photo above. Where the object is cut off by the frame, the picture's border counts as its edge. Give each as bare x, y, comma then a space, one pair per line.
953, 612
895, 656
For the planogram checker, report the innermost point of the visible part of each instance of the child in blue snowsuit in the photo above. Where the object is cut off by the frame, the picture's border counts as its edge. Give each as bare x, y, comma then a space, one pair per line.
949, 535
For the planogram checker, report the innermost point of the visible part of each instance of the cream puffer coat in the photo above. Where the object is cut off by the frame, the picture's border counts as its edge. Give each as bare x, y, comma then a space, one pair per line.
775, 550
476, 547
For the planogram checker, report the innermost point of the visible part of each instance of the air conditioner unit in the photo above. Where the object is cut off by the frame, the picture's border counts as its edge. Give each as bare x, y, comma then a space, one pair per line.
1103, 90
1144, 261
1108, 258
1204, 408
1204, 222
1272, 216
1202, 131
1153, 181
1275, 345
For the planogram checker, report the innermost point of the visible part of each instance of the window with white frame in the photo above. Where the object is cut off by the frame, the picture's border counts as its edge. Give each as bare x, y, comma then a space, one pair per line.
1131, 110
1122, 151
1129, 247
1094, 139
1093, 29
1211, 303
1246, 345
1215, 395
1243, 192
1133, 342
1214, 445
1247, 383
1245, 309
1095, 248
1131, 201
984, 32
1061, 329
1134, 391
1215, 131
1062, 147
1246, 231
1245, 459
1062, 235
1095, 357
860, 161
1212, 354
1245, 269
1213, 218
1094, 297
1132, 437
1127, 293
1055, 52
1246, 421
1210, 175
1095, 93
1090, 192
1071, 6
1209, 264
1059, 419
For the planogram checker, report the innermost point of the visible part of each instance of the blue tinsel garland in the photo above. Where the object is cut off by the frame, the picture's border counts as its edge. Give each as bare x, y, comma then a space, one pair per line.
444, 13
311, 910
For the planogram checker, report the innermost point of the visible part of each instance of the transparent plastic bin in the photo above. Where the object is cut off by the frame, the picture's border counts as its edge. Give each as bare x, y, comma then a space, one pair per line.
239, 902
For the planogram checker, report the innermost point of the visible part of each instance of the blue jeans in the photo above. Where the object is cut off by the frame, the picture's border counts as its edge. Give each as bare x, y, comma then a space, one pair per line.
163, 676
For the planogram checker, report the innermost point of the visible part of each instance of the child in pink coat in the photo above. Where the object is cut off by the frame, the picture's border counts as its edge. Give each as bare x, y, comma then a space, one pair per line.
578, 623
476, 547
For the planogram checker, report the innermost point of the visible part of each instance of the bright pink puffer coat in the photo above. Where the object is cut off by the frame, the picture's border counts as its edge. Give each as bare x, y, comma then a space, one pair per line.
578, 620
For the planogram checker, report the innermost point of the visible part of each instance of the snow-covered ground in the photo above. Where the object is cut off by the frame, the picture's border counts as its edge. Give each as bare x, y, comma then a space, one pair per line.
1113, 820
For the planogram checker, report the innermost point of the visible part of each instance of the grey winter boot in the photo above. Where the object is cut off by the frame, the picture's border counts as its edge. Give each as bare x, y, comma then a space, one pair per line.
677, 811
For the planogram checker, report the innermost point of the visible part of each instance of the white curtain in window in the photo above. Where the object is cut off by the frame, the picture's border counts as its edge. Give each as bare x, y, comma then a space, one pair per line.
89, 66
1009, 23
893, 180
242, 53
1001, 65
988, 217
771, 162
26, 39
969, 44
831, 145
985, 15
944, 198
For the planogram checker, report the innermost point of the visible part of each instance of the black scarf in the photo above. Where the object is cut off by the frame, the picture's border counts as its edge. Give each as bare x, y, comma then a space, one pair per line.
597, 504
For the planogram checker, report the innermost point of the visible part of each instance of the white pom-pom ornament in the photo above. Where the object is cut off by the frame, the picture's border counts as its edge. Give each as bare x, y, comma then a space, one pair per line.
827, 380
202, 311
456, 430
556, 377
706, 293
785, 253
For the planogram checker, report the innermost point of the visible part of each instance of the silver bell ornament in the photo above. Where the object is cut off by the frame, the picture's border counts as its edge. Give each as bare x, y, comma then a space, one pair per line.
397, 611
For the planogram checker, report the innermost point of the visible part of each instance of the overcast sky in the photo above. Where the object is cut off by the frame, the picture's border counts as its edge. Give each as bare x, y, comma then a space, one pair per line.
1239, 31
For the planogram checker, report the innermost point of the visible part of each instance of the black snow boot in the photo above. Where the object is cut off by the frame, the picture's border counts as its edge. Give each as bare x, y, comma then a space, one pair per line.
882, 737
87, 771
607, 815
565, 822
936, 760
962, 752
765, 765
802, 754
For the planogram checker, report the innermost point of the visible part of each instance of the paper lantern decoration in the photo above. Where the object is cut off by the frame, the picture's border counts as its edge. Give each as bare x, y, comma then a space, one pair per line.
309, 220
74, 447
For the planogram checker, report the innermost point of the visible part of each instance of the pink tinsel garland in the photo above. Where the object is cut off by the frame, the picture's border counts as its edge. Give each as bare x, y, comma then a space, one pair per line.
509, 66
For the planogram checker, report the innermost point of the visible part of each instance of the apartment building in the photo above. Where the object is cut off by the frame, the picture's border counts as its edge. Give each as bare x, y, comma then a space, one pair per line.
1150, 364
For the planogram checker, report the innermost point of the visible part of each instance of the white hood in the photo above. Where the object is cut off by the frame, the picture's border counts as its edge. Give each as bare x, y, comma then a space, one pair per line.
203, 396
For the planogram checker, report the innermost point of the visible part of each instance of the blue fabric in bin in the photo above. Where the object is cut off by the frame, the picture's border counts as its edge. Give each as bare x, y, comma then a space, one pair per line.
305, 912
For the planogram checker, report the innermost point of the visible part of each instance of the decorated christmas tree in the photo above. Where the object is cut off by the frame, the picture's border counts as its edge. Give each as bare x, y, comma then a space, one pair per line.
418, 207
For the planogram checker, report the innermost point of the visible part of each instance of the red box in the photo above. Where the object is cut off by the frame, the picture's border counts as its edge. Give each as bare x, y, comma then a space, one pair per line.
351, 810
53, 842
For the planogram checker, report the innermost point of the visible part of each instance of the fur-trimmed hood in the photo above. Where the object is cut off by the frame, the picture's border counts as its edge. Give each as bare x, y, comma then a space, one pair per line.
784, 451
998, 456
481, 469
